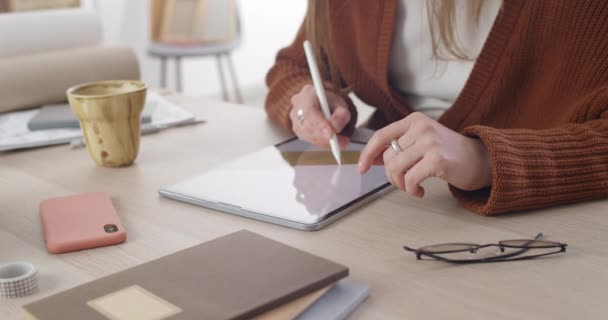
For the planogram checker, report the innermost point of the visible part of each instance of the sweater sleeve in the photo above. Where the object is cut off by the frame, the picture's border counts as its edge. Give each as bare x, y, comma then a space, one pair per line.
287, 77
541, 168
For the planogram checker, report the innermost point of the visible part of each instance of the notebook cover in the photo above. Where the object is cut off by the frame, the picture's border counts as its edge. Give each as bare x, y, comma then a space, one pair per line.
237, 276
60, 116
338, 303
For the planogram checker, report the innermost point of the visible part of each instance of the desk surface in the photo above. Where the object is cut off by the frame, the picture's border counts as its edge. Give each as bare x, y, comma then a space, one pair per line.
572, 285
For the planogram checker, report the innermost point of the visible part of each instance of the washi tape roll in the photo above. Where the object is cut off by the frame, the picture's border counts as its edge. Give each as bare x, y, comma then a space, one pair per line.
18, 279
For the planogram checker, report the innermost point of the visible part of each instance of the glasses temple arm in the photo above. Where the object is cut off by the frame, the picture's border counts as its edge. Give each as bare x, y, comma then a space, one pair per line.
516, 253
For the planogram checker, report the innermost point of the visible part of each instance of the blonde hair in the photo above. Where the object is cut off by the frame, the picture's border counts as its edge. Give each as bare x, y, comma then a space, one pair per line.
441, 16
317, 31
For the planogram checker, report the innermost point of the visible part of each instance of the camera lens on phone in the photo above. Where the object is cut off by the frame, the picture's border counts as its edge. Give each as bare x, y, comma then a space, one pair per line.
110, 228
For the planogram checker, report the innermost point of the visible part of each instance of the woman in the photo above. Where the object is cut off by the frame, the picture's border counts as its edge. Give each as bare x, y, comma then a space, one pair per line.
520, 89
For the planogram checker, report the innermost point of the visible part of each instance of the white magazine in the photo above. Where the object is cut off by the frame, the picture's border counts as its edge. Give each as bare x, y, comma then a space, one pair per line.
15, 134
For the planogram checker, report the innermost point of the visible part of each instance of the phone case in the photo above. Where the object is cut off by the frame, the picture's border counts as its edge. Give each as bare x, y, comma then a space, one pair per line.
79, 222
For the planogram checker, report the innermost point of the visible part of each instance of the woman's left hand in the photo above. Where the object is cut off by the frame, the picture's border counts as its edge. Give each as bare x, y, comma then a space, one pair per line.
429, 150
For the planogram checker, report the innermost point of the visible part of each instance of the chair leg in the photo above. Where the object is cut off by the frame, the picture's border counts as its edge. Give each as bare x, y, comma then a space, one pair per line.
220, 70
178, 74
163, 72
235, 84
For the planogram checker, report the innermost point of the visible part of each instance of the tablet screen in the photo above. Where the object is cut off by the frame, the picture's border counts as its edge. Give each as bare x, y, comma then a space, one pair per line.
292, 180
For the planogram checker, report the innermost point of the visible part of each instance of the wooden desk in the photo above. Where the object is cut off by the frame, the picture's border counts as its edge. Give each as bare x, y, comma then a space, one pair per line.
569, 286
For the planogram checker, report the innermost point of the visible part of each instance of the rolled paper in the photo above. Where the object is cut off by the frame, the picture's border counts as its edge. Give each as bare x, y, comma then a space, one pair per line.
25, 33
43, 78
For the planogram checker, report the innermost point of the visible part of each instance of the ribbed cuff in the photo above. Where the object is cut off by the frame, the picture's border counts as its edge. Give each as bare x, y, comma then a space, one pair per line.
350, 127
278, 100
540, 168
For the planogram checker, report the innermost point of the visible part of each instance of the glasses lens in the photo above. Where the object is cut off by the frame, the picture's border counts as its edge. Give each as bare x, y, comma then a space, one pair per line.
449, 247
529, 243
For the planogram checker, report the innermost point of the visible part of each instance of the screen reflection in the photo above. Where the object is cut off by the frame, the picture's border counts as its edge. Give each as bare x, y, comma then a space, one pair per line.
323, 193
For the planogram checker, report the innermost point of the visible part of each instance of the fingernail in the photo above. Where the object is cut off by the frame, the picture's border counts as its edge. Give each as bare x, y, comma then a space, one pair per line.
338, 125
326, 132
334, 123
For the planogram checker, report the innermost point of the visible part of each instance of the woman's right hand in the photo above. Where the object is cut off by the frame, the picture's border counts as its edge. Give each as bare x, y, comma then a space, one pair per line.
312, 126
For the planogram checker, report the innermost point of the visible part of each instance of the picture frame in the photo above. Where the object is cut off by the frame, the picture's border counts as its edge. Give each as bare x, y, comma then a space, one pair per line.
157, 8
193, 21
4, 6
180, 20
220, 21
31, 5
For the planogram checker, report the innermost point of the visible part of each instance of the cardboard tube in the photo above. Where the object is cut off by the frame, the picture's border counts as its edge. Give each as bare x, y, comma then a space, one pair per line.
25, 33
38, 79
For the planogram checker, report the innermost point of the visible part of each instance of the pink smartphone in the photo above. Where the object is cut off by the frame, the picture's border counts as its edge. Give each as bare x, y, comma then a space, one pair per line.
80, 222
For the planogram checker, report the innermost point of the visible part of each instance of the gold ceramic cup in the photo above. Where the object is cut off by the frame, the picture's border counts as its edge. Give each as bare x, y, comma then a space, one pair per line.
109, 114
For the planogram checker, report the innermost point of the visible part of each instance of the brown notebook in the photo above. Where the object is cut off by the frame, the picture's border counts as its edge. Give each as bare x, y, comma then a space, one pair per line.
237, 276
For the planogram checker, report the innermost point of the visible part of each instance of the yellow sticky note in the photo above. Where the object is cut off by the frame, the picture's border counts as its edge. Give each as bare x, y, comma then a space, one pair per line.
133, 303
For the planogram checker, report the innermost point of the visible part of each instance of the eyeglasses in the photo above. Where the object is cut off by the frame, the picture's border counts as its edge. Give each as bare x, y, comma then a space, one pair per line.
509, 250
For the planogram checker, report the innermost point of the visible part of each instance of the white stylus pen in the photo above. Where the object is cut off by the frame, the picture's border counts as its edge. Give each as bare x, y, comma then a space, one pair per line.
318, 83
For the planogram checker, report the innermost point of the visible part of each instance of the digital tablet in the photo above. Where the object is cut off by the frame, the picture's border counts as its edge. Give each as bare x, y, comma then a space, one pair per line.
293, 184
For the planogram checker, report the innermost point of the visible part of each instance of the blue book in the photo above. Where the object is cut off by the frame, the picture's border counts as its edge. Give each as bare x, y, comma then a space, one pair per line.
337, 303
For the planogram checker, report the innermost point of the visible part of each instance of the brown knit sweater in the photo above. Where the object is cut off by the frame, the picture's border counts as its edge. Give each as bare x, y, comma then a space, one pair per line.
537, 96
